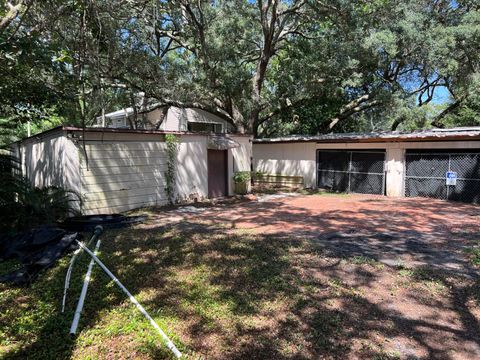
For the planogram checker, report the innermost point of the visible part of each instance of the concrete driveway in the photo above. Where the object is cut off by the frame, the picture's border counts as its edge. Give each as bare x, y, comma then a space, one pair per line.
408, 232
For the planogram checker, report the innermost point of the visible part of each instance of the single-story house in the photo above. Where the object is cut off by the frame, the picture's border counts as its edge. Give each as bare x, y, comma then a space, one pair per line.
438, 163
117, 169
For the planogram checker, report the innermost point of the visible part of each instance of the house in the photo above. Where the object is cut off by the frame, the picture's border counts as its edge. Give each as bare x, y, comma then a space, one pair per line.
438, 163
116, 169
167, 118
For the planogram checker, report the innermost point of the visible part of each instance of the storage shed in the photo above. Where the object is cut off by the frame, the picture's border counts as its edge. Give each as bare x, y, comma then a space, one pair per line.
439, 163
116, 170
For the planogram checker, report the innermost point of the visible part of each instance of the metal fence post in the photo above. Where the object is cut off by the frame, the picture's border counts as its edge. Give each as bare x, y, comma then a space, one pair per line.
349, 170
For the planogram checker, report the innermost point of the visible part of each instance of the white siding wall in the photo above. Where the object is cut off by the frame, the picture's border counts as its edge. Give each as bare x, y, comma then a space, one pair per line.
294, 159
239, 159
50, 161
121, 176
127, 171
300, 158
116, 172
192, 172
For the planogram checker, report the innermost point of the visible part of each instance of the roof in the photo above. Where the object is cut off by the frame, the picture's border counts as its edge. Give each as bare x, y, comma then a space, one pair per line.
126, 112
118, 130
119, 114
460, 133
129, 111
140, 131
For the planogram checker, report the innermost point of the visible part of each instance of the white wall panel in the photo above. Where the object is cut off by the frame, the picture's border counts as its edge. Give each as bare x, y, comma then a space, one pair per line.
293, 159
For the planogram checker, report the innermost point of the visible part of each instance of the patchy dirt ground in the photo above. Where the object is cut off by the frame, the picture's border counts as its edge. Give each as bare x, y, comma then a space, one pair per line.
410, 232
297, 277
393, 272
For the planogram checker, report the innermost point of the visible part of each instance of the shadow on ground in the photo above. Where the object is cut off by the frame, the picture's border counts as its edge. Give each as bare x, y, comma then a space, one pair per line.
283, 288
412, 232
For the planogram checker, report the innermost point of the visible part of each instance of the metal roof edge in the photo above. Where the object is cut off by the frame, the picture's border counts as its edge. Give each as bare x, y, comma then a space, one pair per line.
41, 135
471, 134
143, 131
66, 128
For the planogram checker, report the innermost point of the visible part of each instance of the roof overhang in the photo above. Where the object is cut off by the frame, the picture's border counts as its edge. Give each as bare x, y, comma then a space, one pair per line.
76, 130
459, 134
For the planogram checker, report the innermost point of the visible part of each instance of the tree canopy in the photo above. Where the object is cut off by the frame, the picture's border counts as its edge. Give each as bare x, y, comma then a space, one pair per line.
270, 67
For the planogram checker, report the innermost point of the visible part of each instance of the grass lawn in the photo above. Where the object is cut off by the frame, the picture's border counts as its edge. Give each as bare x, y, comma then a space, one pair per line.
224, 293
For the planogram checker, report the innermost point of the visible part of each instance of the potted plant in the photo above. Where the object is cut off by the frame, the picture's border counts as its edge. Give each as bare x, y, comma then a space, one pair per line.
242, 182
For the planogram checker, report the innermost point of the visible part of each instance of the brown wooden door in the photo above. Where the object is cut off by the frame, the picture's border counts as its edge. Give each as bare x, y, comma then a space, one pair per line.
217, 173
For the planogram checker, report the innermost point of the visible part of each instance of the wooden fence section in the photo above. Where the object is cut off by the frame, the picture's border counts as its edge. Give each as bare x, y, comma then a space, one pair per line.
276, 180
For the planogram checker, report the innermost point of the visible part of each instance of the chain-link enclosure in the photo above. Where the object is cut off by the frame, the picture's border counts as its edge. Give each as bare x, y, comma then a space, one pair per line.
351, 171
426, 176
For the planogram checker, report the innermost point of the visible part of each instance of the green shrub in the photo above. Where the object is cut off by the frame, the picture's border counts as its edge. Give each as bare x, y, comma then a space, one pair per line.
173, 146
242, 176
24, 206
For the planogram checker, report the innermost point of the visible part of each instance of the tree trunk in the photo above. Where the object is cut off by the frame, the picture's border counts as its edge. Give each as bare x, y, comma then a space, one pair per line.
135, 112
12, 13
437, 120
268, 18
258, 80
353, 107
163, 114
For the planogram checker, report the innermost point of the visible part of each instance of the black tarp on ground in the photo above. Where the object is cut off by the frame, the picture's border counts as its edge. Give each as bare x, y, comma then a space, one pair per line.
107, 221
37, 250
40, 248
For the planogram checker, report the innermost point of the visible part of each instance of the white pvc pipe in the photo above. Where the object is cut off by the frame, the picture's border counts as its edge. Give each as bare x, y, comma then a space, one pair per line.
98, 230
83, 294
67, 278
168, 342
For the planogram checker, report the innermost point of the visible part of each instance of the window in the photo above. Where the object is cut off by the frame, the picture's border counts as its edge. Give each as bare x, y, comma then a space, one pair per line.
205, 127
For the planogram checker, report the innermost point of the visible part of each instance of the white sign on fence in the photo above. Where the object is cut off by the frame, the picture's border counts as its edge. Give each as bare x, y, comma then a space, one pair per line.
451, 178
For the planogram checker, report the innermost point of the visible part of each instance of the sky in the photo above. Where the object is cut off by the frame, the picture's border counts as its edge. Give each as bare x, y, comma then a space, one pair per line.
441, 95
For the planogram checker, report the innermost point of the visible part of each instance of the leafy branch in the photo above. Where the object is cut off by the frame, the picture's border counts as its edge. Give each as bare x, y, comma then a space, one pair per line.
173, 145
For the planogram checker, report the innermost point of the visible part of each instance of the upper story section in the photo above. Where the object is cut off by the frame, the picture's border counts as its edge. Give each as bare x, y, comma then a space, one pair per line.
167, 119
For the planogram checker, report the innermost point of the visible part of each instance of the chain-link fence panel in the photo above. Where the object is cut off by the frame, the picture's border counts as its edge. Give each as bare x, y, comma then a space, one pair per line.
426, 165
425, 187
333, 160
426, 176
368, 162
467, 166
351, 171
367, 183
333, 181
465, 191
